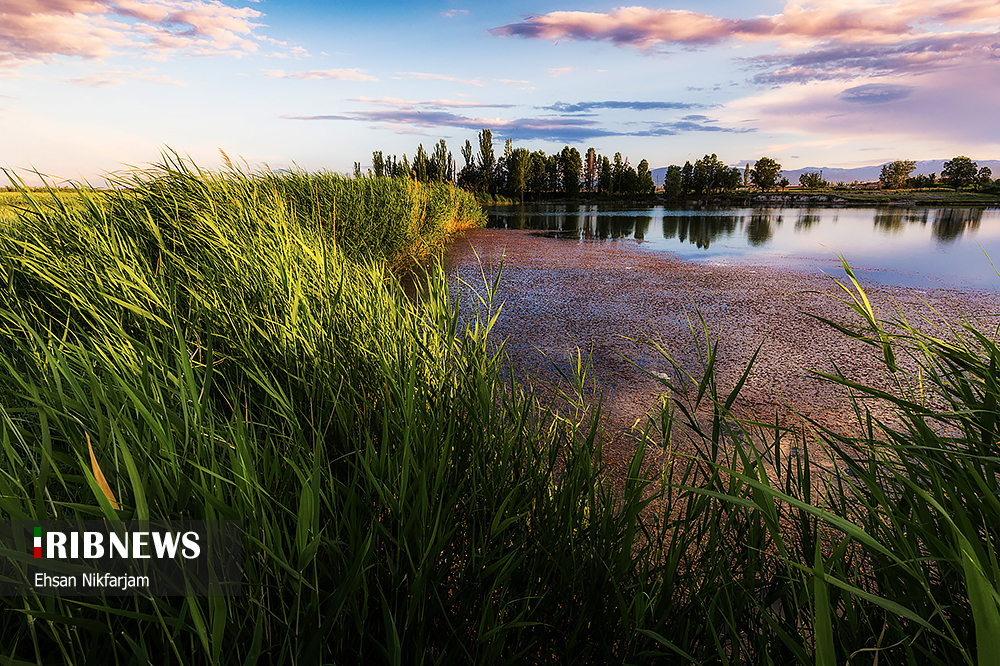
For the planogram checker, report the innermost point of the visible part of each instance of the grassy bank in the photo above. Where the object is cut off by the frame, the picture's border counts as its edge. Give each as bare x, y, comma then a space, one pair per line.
236, 346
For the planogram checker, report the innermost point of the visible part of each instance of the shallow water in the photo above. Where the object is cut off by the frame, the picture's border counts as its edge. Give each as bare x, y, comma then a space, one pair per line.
923, 247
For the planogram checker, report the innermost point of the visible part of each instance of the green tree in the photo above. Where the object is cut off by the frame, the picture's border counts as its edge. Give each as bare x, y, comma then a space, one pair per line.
519, 171
765, 173
420, 164
487, 161
960, 171
646, 184
617, 174
591, 165
571, 165
985, 177
378, 163
687, 177
440, 162
731, 179
707, 174
894, 175
605, 179
630, 180
813, 180
538, 182
469, 174
672, 182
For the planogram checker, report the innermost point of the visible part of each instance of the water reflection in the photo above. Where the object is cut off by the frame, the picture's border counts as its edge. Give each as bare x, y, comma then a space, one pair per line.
699, 230
807, 219
761, 227
895, 220
951, 223
918, 241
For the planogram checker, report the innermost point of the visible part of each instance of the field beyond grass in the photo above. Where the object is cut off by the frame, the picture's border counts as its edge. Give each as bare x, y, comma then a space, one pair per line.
237, 346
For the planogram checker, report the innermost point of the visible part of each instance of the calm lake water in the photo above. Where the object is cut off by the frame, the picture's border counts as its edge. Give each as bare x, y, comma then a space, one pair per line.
919, 247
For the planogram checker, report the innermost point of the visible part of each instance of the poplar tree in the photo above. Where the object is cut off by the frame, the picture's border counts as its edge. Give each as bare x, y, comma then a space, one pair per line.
487, 162
590, 169
570, 165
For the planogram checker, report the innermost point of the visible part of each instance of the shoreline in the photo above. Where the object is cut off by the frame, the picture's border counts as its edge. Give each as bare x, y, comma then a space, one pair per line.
796, 199
615, 301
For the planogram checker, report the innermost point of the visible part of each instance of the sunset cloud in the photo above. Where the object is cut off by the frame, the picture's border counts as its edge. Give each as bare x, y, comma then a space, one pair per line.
820, 39
39, 30
644, 27
845, 61
937, 106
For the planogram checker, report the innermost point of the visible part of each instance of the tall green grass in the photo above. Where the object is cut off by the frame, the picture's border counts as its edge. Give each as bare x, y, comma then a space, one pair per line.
236, 346
401, 498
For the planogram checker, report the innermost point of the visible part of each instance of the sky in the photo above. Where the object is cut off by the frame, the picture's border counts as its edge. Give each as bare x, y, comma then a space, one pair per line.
91, 87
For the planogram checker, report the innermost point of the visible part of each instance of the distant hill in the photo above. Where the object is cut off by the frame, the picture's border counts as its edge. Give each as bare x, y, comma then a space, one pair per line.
834, 175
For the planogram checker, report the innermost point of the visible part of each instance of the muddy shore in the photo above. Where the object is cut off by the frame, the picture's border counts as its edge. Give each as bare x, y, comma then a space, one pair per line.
615, 301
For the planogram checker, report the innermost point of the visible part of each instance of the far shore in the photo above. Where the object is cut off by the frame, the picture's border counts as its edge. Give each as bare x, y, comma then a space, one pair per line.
795, 197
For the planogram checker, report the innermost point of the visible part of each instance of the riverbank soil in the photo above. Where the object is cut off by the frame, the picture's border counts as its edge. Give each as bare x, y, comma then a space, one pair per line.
616, 301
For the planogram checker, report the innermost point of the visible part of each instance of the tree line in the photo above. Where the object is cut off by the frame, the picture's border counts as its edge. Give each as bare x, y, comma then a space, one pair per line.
519, 173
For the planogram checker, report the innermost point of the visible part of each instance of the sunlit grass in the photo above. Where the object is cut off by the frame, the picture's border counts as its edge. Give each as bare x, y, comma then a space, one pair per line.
236, 346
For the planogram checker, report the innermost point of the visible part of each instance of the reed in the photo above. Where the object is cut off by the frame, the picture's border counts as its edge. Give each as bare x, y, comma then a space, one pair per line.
235, 346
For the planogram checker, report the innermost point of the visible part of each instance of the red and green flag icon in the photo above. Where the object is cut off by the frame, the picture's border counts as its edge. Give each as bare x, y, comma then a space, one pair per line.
38, 542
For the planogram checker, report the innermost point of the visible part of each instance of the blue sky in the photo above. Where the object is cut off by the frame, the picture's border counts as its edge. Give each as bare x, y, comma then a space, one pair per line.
89, 86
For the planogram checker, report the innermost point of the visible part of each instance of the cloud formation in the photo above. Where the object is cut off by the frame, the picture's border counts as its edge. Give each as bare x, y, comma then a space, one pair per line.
555, 129
39, 30
404, 116
822, 39
876, 93
845, 61
581, 107
321, 75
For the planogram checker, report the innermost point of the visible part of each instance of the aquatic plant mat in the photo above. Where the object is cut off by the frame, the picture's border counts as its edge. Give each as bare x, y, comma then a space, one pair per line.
234, 346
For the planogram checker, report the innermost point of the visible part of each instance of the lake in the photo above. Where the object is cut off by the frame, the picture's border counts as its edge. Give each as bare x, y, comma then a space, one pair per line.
921, 247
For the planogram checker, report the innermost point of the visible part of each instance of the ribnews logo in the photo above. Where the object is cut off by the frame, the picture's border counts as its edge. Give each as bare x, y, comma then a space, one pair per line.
154, 558
143, 545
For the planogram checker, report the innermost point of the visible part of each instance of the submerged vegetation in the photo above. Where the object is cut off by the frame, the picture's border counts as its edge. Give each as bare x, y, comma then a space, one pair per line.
235, 346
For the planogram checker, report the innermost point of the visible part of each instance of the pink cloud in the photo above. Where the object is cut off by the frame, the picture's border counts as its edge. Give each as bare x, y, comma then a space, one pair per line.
644, 27
33, 30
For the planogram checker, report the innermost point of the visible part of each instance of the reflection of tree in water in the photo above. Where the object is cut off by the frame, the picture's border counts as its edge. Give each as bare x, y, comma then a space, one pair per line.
642, 226
895, 220
702, 230
761, 227
807, 218
950, 223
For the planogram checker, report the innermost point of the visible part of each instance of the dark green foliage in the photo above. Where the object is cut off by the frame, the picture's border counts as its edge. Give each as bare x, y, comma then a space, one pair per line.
765, 173
895, 174
959, 171
813, 180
